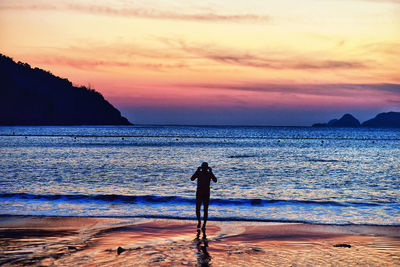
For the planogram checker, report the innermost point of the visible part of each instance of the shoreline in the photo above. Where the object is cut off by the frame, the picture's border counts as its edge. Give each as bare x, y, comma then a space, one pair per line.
51, 240
186, 219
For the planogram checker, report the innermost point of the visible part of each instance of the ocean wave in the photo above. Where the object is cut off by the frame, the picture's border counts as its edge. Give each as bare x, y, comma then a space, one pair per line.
152, 199
243, 156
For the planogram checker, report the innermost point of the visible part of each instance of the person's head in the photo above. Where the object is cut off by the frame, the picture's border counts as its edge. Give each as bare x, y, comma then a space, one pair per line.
204, 166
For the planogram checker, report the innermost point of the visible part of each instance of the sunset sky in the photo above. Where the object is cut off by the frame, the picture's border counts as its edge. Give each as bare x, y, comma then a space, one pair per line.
250, 62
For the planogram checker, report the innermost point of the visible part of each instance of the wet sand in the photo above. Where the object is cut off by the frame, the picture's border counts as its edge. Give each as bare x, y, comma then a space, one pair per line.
72, 241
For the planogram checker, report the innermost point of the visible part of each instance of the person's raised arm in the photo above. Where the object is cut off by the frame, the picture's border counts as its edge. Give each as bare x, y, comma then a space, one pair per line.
213, 176
195, 175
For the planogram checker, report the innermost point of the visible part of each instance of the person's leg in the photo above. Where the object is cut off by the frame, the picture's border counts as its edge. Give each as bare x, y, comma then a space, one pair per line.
198, 206
206, 201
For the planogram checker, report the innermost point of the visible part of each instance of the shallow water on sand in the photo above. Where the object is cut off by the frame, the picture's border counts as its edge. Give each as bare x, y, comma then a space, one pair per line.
71, 241
339, 176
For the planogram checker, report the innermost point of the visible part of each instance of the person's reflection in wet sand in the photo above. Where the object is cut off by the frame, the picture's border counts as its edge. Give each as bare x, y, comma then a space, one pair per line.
203, 257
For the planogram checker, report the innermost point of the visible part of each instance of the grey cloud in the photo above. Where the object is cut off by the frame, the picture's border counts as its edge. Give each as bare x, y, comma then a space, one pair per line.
81, 63
340, 89
144, 13
263, 60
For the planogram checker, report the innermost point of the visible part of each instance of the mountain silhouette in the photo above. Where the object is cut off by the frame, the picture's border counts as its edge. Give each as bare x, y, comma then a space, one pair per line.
382, 120
32, 96
347, 120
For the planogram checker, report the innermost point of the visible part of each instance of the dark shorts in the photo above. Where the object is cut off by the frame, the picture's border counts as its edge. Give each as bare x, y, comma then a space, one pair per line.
202, 198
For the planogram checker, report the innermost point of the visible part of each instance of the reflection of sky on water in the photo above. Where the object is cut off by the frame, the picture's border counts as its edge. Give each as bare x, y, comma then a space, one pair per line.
345, 169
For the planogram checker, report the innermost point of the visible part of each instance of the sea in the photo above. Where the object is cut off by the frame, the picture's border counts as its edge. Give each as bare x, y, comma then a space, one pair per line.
270, 174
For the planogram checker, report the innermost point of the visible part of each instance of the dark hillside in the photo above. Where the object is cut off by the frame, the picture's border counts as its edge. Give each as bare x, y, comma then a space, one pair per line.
384, 120
32, 96
347, 120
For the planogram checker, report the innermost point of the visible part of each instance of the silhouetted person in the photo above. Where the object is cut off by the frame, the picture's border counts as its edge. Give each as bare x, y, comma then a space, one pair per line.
204, 176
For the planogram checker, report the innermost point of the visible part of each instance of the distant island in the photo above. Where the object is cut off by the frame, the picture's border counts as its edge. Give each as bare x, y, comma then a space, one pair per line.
32, 96
382, 120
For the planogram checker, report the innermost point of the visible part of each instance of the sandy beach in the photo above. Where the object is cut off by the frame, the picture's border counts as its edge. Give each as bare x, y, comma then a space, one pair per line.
72, 241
